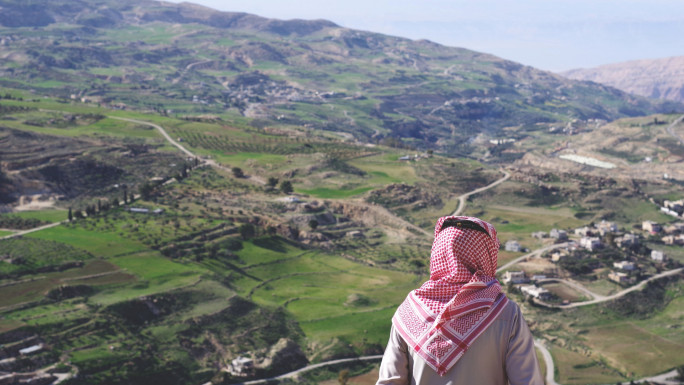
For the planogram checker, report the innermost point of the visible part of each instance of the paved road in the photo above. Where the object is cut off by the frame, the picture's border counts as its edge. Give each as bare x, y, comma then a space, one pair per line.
670, 129
548, 360
537, 252
187, 152
638, 286
307, 368
162, 131
463, 198
20, 233
662, 378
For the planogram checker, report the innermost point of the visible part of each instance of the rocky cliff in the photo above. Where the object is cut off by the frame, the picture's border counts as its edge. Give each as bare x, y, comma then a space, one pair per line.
658, 78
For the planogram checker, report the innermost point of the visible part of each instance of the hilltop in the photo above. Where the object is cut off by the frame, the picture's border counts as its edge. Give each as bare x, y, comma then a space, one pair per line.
179, 59
656, 78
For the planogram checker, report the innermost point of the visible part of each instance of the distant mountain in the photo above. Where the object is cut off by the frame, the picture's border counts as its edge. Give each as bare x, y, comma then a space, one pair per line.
657, 78
189, 59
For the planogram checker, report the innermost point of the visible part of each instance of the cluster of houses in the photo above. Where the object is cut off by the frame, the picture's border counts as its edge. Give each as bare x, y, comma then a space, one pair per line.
591, 238
672, 234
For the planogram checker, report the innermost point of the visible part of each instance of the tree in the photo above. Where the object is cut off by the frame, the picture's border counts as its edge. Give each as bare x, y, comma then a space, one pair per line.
286, 187
313, 223
71, 215
343, 377
237, 172
272, 181
247, 231
146, 191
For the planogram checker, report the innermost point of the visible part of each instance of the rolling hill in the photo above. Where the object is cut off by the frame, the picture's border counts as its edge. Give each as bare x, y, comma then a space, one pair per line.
181, 59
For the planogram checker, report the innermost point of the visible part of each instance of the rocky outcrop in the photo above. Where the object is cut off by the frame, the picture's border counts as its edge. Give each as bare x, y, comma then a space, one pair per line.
658, 78
285, 356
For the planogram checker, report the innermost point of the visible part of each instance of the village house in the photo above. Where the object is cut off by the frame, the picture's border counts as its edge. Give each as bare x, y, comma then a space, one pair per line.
677, 206
241, 367
627, 240
620, 277
558, 255
513, 246
674, 240
540, 235
590, 243
561, 235
536, 292
651, 227
585, 231
538, 277
605, 227
514, 277
658, 256
674, 228
31, 349
624, 265
669, 212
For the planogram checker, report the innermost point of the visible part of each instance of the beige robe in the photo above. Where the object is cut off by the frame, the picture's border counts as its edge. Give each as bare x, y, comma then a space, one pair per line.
503, 354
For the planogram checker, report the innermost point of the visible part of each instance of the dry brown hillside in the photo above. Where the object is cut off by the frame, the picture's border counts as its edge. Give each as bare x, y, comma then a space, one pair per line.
657, 78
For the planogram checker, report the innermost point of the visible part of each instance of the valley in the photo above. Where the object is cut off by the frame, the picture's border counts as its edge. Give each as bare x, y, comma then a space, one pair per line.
274, 256
190, 196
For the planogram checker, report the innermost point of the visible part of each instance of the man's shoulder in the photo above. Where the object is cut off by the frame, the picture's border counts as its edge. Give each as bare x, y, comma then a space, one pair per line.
510, 312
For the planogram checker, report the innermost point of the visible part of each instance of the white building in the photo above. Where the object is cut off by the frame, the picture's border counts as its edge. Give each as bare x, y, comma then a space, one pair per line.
658, 255
605, 227
558, 255
561, 235
31, 349
241, 366
590, 243
585, 231
627, 240
624, 265
536, 292
651, 227
513, 246
514, 277
620, 277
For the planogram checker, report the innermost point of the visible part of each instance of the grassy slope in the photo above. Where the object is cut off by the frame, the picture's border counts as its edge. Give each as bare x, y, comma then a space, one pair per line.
313, 286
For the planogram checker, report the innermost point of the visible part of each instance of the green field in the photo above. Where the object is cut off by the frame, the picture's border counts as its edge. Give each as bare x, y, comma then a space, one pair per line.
229, 253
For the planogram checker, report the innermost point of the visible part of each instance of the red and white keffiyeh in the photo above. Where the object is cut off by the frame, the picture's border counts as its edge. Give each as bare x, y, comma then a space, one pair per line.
443, 317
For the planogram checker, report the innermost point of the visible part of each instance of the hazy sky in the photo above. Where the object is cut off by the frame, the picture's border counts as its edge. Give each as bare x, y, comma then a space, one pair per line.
552, 35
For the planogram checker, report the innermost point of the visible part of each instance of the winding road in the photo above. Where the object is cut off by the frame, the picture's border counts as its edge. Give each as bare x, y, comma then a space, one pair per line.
534, 253
670, 129
548, 360
462, 204
209, 162
599, 298
463, 198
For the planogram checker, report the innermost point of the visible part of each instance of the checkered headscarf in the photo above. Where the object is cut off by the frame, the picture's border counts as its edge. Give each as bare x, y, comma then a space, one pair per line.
443, 317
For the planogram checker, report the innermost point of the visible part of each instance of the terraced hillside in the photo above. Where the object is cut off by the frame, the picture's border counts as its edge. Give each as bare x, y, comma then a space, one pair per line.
182, 58
212, 257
